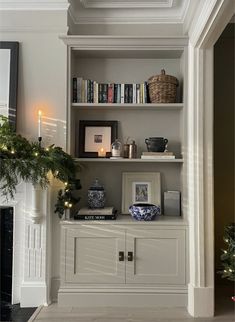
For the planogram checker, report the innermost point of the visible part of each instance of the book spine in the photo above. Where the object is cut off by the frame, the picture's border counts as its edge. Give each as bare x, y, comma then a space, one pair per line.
74, 91
96, 217
134, 94
130, 93
79, 89
105, 93
122, 94
100, 93
110, 93
83, 91
159, 157
115, 93
119, 93
138, 93
126, 93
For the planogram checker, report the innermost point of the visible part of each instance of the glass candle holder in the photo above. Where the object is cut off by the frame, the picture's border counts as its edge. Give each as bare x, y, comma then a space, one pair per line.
116, 149
101, 152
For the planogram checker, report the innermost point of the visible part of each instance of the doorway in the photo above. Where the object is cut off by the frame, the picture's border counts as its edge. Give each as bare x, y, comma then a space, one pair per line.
223, 158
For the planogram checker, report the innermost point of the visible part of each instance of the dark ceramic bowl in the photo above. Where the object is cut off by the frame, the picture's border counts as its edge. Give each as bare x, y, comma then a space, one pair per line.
156, 144
144, 211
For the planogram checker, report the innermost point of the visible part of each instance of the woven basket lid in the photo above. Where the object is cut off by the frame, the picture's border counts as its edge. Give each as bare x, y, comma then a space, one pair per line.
163, 78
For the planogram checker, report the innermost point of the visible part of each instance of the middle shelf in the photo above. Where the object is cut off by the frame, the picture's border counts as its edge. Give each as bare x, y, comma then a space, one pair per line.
129, 160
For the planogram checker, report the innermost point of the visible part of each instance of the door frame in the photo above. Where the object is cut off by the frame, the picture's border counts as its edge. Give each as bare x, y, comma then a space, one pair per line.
203, 34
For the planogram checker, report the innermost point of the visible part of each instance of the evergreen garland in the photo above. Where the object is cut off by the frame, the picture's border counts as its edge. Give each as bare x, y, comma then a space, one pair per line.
23, 160
228, 256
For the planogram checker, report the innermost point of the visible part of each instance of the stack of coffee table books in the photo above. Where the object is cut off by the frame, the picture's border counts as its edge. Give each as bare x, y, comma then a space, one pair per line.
167, 155
106, 213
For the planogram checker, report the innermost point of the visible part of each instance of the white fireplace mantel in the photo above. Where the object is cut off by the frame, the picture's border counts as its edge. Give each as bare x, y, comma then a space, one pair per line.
31, 247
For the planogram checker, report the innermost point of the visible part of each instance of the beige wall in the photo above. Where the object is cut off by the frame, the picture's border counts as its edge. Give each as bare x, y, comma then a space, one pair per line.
42, 84
223, 136
42, 71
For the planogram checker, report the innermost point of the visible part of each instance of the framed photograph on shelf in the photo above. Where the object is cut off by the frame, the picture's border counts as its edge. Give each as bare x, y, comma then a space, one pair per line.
95, 136
140, 187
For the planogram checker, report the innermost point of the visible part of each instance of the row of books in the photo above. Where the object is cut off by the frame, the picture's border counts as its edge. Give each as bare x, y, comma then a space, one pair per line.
158, 155
89, 91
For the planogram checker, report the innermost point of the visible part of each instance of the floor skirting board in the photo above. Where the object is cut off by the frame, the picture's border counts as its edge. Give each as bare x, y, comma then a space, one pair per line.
76, 299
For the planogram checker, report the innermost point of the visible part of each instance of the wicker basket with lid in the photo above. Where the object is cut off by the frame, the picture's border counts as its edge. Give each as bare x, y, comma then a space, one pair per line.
162, 88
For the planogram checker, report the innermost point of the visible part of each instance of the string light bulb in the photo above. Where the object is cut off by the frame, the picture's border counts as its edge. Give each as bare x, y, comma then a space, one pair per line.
12, 152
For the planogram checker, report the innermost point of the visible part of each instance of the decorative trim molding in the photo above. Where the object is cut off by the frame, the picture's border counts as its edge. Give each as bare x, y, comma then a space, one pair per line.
33, 5
125, 42
126, 4
154, 13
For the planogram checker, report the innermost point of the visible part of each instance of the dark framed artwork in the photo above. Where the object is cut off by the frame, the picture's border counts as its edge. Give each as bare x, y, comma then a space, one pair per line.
96, 135
9, 53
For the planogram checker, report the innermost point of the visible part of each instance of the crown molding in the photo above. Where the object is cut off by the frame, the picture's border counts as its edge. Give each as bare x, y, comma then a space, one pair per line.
15, 5
172, 13
122, 20
105, 4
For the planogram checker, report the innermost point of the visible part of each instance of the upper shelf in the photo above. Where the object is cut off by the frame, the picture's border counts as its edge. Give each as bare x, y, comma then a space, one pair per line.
130, 106
126, 46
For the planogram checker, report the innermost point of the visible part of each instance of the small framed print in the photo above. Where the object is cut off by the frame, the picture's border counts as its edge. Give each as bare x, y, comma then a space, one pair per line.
95, 136
140, 187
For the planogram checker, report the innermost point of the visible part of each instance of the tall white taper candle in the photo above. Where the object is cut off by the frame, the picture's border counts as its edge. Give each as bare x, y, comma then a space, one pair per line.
39, 123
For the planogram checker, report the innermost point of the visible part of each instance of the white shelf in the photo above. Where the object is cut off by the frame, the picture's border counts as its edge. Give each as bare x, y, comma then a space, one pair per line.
129, 106
128, 160
127, 219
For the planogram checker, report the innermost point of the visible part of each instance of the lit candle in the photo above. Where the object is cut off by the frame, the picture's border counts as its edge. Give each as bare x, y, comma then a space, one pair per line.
39, 123
101, 152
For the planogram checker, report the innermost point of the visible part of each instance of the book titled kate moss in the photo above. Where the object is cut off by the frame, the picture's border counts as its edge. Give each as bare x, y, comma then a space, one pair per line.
106, 213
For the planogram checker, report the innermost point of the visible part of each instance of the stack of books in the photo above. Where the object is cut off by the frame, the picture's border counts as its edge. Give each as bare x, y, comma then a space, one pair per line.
106, 213
90, 91
158, 155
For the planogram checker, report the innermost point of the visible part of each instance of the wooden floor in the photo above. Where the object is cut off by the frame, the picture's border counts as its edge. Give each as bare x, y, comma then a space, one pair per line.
225, 309
54, 313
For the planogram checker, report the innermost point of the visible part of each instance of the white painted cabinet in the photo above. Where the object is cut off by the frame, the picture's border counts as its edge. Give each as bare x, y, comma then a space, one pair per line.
92, 255
155, 256
122, 257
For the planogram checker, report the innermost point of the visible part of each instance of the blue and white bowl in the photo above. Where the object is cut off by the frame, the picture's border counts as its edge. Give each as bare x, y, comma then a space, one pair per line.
144, 211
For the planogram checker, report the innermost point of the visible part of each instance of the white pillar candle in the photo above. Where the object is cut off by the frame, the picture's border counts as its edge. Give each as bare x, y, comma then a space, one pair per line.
39, 123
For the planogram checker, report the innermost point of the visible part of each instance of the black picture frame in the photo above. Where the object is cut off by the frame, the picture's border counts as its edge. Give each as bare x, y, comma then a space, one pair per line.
13, 46
85, 129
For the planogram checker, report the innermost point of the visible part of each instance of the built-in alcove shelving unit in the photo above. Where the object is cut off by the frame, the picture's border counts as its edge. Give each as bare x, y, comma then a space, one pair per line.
129, 60
125, 261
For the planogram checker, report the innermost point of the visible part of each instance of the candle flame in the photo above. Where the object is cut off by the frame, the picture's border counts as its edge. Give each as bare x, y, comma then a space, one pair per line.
39, 113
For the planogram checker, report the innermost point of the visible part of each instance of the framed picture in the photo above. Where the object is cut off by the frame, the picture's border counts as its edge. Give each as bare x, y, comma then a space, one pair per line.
140, 187
95, 136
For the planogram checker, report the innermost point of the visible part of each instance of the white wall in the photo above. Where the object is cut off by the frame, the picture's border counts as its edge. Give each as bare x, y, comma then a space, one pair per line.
42, 70
41, 84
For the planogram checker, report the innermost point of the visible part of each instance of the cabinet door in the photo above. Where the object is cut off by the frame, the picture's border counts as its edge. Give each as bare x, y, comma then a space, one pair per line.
92, 255
158, 256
